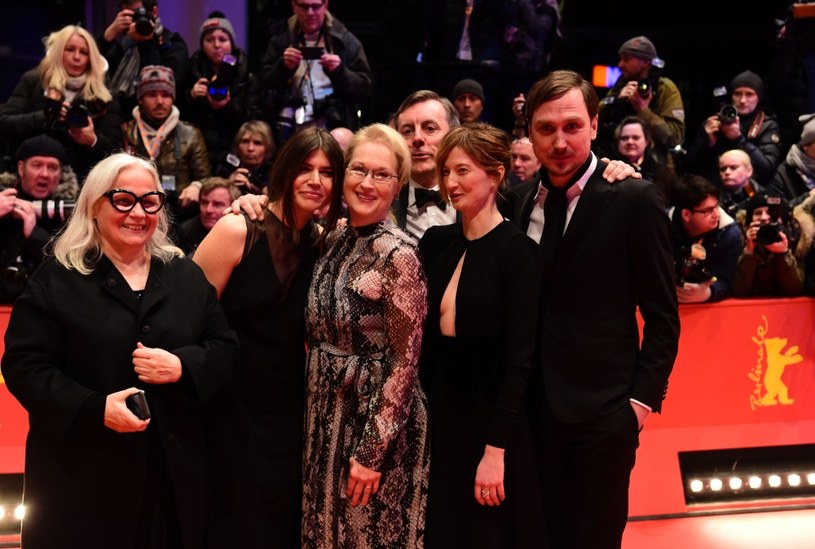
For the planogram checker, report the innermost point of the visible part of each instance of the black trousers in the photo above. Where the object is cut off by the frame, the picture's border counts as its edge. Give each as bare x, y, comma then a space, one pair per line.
585, 470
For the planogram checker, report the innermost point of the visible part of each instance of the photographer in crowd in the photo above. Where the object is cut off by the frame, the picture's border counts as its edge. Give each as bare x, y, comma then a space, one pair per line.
177, 147
222, 95
135, 39
740, 122
316, 72
706, 242
65, 97
768, 265
642, 91
33, 208
217, 194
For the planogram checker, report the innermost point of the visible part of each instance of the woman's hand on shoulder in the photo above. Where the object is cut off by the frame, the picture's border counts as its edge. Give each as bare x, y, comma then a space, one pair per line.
253, 205
118, 416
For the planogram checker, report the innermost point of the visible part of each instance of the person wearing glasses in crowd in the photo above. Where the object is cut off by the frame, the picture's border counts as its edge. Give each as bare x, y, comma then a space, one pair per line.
117, 309
366, 454
262, 270
322, 85
706, 241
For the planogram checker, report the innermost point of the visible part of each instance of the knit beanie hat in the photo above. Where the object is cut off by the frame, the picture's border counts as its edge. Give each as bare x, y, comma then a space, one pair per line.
156, 77
808, 134
41, 145
639, 46
748, 79
468, 86
778, 206
214, 23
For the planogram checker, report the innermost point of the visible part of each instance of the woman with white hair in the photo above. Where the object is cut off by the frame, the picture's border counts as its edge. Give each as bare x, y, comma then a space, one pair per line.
116, 311
65, 96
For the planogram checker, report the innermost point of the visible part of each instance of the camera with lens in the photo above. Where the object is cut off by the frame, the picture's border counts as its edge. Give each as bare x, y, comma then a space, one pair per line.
53, 209
218, 86
285, 124
728, 114
769, 234
143, 21
690, 265
330, 109
77, 116
644, 88
53, 104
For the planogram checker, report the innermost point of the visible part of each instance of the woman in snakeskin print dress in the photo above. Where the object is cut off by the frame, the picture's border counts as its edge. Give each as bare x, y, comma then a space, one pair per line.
366, 459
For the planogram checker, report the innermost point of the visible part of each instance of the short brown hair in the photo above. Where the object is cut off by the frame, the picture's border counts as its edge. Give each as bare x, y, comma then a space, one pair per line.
555, 85
485, 144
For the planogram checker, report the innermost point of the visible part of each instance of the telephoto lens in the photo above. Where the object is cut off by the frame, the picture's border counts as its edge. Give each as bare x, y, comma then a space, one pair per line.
53, 209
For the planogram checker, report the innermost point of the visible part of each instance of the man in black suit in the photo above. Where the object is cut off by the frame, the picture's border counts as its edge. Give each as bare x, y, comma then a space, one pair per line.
597, 381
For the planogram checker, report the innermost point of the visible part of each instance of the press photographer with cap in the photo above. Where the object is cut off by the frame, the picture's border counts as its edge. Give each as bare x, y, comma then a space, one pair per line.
468, 99
740, 122
642, 91
32, 210
177, 147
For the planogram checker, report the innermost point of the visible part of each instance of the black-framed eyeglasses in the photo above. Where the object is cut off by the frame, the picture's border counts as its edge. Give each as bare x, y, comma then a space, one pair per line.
124, 201
707, 211
359, 173
305, 6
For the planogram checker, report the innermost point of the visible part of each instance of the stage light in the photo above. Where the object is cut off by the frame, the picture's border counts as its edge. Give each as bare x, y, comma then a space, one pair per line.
794, 479
735, 483
2, 512
19, 512
716, 484
811, 479
697, 485
754, 482
774, 481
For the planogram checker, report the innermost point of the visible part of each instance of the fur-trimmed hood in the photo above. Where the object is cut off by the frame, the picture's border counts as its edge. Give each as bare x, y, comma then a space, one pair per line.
67, 189
805, 214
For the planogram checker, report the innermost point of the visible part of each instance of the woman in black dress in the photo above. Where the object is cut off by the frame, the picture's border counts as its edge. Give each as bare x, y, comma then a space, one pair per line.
483, 293
261, 271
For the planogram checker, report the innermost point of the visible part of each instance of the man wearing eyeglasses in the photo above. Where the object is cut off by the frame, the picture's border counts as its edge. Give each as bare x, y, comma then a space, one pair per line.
316, 72
706, 241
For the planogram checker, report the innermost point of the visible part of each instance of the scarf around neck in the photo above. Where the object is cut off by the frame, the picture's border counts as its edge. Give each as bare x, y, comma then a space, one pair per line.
152, 137
804, 165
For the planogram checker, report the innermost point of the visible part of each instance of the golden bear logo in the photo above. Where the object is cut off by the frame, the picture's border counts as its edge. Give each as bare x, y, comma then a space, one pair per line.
770, 389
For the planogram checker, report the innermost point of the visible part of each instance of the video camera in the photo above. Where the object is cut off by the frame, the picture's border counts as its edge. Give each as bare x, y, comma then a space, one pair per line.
218, 86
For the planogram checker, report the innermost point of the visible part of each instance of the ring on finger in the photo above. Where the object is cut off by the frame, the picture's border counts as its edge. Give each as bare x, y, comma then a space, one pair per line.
485, 493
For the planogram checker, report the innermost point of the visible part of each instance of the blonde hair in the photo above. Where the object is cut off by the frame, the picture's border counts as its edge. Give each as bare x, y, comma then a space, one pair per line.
384, 134
53, 71
78, 247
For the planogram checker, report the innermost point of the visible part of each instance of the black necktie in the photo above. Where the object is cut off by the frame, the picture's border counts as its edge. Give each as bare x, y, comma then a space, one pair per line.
554, 223
425, 196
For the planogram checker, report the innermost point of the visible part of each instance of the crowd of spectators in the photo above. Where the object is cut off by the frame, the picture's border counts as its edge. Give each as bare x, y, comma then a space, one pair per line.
201, 111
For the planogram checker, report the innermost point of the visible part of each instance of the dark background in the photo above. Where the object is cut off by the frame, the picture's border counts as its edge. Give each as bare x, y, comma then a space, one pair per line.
704, 44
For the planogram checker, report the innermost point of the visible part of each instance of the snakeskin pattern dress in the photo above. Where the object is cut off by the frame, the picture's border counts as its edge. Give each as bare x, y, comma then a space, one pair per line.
365, 316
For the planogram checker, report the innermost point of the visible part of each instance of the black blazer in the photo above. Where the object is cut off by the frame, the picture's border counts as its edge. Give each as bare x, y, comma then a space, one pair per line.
615, 257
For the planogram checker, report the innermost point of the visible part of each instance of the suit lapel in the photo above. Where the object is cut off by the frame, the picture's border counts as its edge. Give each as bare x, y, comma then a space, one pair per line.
596, 197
